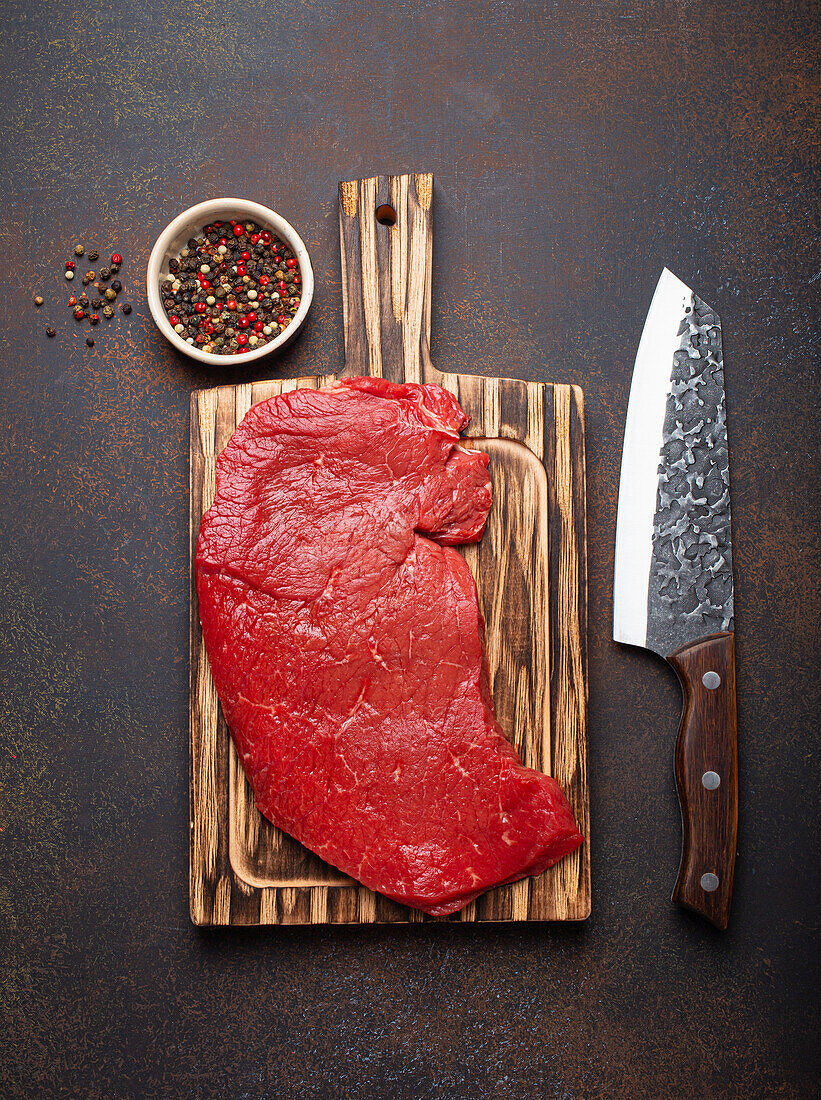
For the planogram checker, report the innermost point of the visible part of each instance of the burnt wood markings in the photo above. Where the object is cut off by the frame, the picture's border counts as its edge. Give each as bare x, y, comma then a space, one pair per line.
530, 569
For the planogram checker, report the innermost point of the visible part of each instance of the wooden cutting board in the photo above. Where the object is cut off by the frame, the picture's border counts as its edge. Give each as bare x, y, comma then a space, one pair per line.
530, 570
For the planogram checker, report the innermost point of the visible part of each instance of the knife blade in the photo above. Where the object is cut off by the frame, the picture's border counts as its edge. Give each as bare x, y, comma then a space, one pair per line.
673, 584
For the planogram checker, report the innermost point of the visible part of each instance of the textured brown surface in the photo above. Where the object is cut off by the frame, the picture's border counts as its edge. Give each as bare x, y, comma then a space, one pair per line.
577, 148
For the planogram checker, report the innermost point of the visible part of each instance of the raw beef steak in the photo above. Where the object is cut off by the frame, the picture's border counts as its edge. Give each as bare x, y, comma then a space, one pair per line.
346, 644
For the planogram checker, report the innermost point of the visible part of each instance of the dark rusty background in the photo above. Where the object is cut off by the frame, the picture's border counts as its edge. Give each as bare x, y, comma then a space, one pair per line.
578, 147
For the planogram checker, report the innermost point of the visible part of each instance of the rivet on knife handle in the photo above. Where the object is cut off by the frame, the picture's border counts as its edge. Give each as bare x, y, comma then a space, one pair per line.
707, 776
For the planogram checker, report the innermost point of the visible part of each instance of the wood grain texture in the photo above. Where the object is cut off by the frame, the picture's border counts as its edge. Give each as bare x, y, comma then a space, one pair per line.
530, 569
707, 742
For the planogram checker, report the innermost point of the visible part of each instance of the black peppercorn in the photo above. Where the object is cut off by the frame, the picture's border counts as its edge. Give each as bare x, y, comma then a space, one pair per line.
90, 342
126, 307
93, 255
51, 331
94, 318
108, 311
96, 302
104, 274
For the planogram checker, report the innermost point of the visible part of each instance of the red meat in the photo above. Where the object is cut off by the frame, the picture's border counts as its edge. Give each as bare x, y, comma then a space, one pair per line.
346, 644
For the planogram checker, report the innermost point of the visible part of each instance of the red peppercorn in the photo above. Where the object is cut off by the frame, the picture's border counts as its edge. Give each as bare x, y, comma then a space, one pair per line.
239, 230
251, 316
242, 322
242, 339
79, 313
218, 306
282, 287
231, 304
297, 280
277, 259
173, 320
70, 265
264, 280
200, 307
224, 240
116, 258
241, 270
73, 300
255, 238
205, 284
245, 255
265, 237
258, 327
199, 338
208, 328
291, 263
282, 319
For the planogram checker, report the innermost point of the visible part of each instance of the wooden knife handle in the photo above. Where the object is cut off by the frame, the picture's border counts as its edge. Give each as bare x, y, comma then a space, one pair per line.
707, 775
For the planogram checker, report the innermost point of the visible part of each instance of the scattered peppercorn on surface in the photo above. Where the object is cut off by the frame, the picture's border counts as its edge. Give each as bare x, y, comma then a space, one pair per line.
101, 297
232, 288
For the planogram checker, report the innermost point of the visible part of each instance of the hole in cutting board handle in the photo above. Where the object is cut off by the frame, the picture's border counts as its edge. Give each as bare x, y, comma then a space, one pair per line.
385, 214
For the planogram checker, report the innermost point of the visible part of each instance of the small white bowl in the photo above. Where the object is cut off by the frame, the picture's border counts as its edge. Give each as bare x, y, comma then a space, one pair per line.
189, 224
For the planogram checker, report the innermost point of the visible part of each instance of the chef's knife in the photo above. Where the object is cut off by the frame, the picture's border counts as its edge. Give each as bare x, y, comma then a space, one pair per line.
673, 590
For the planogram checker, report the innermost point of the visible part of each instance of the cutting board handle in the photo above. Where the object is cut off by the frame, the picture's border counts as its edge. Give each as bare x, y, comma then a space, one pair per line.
386, 238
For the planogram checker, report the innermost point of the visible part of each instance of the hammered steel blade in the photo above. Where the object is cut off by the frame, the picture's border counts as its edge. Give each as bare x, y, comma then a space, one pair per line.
673, 572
